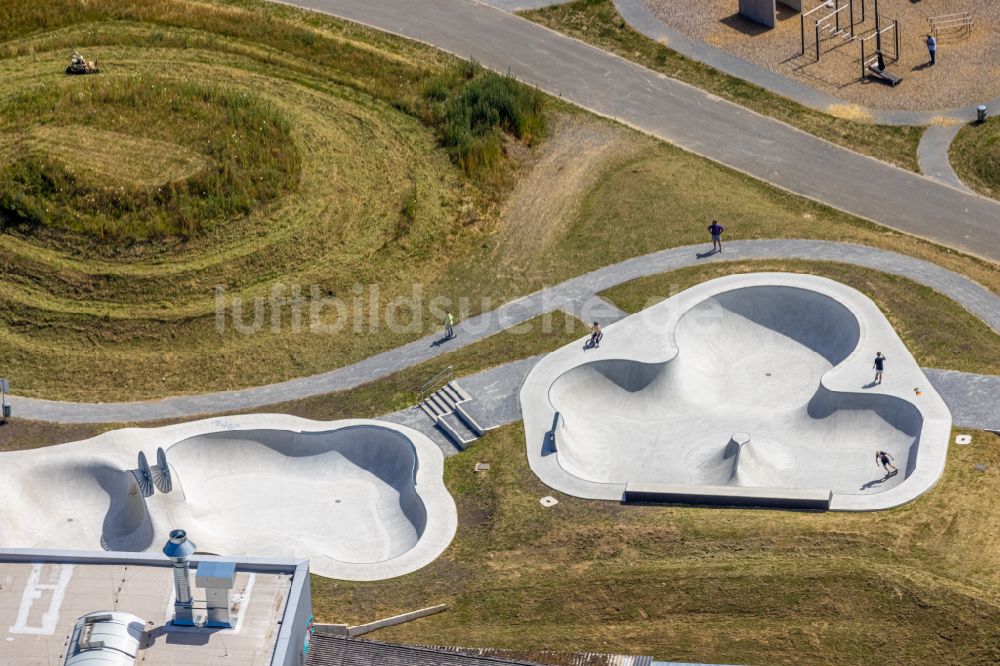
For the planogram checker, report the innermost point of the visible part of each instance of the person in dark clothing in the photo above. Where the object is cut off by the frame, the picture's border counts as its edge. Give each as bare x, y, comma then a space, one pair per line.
596, 335
716, 230
879, 367
885, 459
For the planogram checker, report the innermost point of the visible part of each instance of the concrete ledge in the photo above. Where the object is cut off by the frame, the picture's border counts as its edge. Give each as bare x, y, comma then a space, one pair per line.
785, 498
363, 629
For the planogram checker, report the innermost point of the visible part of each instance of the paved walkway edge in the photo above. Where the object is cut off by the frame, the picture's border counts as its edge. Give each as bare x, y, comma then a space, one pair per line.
567, 295
932, 155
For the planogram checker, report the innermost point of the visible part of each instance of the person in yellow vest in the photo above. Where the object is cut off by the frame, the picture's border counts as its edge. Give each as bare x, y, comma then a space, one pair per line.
449, 326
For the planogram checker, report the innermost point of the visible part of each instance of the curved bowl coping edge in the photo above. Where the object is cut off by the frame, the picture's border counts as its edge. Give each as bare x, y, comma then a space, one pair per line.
876, 334
119, 447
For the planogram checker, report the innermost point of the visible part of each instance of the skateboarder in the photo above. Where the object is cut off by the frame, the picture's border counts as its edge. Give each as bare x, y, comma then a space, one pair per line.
449, 326
716, 230
885, 459
932, 47
879, 367
596, 335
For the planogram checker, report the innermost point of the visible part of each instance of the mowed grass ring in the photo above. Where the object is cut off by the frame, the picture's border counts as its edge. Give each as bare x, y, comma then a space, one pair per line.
130, 157
134, 197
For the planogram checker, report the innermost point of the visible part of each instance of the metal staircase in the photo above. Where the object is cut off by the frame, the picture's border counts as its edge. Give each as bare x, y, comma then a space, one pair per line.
447, 407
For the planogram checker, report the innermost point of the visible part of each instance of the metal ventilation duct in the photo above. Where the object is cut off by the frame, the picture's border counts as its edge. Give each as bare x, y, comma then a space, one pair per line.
178, 549
108, 638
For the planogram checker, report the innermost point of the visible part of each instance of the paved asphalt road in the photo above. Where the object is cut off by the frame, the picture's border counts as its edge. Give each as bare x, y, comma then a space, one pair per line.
688, 117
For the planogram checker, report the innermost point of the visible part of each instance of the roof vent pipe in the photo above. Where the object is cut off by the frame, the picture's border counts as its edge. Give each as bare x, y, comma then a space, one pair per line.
178, 549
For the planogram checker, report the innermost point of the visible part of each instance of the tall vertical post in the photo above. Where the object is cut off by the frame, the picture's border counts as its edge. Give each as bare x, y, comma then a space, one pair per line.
802, 31
896, 30
4, 410
878, 31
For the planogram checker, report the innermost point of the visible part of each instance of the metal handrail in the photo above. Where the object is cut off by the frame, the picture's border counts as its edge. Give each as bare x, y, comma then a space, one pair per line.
424, 388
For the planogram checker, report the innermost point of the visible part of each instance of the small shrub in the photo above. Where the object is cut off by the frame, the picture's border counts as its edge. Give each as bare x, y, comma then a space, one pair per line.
475, 109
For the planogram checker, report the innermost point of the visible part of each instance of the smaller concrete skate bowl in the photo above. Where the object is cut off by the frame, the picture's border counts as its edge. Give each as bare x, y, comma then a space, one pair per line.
362, 500
746, 390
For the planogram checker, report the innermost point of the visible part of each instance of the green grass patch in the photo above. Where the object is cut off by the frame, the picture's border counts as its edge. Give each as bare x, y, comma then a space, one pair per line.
975, 156
701, 585
377, 201
539, 335
477, 110
598, 22
938, 331
246, 142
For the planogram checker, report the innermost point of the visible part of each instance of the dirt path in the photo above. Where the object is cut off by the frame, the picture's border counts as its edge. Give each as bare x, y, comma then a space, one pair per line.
548, 196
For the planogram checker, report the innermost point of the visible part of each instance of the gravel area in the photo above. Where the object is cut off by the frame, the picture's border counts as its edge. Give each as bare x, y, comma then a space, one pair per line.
967, 69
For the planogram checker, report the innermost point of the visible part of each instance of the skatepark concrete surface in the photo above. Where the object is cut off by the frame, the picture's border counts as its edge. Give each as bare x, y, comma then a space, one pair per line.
361, 499
745, 389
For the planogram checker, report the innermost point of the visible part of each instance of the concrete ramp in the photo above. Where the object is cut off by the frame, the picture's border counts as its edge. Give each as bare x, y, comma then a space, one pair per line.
751, 381
362, 500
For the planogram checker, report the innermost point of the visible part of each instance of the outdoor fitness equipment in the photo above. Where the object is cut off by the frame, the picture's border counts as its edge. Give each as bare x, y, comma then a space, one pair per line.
877, 62
839, 21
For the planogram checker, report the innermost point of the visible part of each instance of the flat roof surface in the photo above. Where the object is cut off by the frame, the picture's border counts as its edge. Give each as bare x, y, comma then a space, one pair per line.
40, 603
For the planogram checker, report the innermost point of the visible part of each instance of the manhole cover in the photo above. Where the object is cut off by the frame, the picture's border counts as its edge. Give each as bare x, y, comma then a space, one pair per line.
481, 467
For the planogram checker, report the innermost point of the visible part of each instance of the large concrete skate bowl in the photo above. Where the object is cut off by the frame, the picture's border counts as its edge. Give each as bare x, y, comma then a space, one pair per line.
362, 500
746, 390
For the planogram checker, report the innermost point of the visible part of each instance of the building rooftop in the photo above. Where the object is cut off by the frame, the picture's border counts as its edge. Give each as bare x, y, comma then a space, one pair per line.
42, 597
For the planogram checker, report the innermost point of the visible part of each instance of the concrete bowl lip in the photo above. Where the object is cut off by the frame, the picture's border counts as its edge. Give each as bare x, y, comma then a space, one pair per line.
648, 330
120, 447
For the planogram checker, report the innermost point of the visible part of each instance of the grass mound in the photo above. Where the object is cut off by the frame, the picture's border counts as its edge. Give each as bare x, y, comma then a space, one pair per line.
975, 155
244, 139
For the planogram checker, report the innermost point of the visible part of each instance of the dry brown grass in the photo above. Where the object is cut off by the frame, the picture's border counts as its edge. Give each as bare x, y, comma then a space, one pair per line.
915, 585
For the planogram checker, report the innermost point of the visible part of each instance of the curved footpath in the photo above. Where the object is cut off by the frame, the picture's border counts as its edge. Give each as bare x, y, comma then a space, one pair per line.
704, 124
576, 295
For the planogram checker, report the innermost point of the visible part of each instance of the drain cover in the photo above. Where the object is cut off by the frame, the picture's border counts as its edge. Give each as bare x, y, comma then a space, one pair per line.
548, 501
963, 439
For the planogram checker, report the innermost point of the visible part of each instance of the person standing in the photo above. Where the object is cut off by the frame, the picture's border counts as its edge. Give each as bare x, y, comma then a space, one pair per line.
716, 230
449, 326
879, 367
932, 47
885, 459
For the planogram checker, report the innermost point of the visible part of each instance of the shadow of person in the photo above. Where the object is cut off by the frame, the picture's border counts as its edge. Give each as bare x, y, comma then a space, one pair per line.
873, 483
871, 384
440, 341
703, 255
921, 67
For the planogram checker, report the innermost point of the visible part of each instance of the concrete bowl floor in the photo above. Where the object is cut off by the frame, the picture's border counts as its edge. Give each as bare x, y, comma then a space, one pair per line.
362, 500
754, 381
